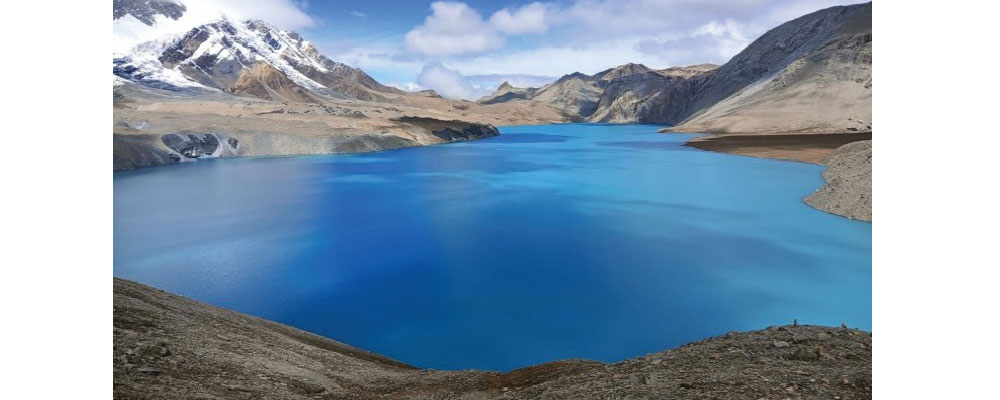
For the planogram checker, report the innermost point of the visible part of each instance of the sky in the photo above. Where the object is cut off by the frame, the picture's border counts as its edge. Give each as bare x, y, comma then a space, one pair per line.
465, 49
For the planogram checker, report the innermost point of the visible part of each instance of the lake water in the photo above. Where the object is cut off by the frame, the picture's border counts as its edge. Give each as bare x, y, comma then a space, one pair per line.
549, 242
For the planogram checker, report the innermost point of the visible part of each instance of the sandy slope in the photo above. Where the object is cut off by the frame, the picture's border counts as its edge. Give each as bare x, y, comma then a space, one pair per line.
170, 347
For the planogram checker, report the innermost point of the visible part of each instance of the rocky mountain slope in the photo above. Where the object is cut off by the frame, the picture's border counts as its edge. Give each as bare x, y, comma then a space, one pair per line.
237, 88
848, 189
646, 95
170, 347
249, 58
811, 75
146, 10
617, 94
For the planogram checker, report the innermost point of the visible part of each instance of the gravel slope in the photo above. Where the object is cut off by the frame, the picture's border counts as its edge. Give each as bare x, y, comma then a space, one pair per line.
170, 347
848, 189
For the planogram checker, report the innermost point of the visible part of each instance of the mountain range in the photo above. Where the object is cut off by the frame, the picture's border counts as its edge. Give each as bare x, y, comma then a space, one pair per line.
809, 75
273, 92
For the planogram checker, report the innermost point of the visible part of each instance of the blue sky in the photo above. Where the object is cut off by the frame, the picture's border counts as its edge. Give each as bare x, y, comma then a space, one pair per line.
464, 49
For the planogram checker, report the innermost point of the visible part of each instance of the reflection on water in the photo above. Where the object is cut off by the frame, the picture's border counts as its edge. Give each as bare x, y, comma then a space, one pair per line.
548, 242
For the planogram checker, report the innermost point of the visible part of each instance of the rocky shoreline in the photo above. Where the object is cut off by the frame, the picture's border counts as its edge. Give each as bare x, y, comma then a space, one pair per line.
848, 188
168, 347
141, 149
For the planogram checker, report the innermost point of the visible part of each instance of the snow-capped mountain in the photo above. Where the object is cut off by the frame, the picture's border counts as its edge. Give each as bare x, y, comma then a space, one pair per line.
246, 58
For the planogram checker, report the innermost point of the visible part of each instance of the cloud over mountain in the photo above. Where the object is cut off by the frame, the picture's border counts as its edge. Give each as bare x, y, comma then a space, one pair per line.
453, 28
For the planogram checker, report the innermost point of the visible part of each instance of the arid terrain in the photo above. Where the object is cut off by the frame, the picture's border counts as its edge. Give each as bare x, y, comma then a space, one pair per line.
142, 116
848, 189
170, 347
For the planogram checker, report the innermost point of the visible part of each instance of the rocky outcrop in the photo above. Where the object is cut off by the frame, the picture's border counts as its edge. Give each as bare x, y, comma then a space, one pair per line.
265, 82
146, 11
848, 188
147, 150
138, 151
575, 94
506, 92
170, 347
451, 130
648, 96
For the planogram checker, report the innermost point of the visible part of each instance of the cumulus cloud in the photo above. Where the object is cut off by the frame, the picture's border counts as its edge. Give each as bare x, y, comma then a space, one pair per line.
530, 18
489, 82
453, 28
713, 42
446, 82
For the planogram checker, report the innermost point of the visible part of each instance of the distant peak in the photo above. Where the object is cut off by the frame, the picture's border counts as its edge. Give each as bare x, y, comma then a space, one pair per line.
505, 86
575, 75
632, 67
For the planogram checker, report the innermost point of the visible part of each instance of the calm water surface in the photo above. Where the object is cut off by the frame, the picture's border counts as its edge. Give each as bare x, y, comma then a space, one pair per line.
548, 242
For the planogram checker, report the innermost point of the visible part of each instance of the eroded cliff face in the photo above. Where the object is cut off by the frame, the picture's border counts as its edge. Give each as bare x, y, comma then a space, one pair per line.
144, 150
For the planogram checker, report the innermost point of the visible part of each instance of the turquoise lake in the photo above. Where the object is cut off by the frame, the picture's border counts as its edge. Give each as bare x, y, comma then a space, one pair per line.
548, 242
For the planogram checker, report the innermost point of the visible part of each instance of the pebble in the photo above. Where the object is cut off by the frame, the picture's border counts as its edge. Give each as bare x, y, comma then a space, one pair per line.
780, 344
239, 388
148, 370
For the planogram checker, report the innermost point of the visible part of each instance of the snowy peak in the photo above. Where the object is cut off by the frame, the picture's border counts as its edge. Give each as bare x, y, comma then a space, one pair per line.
217, 54
147, 10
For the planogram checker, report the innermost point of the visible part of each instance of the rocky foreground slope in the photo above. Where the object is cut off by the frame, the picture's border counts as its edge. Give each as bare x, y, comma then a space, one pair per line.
848, 189
170, 347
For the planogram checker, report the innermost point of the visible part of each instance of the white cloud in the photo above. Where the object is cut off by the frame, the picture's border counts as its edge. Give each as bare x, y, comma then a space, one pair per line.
447, 82
359, 14
530, 18
453, 28
713, 42
490, 82
285, 14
